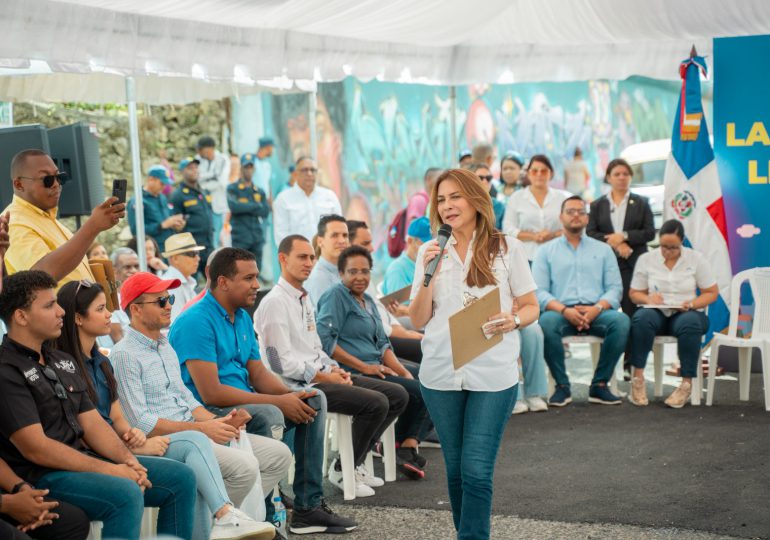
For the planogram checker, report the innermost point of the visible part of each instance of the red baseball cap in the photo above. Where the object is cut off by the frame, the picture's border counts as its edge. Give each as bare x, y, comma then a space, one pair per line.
141, 283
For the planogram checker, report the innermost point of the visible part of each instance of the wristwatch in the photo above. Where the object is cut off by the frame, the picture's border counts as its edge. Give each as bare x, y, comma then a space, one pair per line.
601, 307
18, 487
516, 321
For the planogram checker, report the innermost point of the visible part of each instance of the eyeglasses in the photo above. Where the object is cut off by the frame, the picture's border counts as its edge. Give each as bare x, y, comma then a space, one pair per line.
49, 179
575, 212
670, 248
83, 283
58, 387
468, 298
191, 254
162, 301
486, 177
356, 271
308, 170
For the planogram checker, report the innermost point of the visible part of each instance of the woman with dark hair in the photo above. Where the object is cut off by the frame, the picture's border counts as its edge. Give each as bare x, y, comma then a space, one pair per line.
352, 333
532, 213
624, 221
188, 460
470, 406
511, 178
666, 282
155, 263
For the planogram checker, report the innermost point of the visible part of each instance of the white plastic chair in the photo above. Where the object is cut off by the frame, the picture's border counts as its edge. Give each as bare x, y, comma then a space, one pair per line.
759, 281
657, 358
339, 436
596, 344
149, 526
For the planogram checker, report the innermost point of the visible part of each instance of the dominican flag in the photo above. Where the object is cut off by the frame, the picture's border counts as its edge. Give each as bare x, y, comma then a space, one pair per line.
692, 191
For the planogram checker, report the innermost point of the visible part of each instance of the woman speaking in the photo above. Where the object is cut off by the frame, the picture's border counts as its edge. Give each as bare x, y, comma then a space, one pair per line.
471, 405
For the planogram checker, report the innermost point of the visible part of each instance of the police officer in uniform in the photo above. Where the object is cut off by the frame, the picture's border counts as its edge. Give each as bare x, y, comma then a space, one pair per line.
249, 208
194, 203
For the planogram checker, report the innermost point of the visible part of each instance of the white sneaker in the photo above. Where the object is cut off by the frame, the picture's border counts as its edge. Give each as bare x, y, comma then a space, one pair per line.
521, 407
363, 475
537, 404
335, 477
235, 525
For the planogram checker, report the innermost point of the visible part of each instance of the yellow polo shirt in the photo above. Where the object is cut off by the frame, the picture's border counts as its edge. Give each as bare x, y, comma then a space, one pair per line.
34, 233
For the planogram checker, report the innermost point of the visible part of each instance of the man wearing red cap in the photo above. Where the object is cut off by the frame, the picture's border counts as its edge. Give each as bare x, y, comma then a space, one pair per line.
155, 399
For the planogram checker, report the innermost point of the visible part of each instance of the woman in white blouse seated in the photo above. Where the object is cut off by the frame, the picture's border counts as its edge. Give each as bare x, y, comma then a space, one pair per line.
670, 276
470, 405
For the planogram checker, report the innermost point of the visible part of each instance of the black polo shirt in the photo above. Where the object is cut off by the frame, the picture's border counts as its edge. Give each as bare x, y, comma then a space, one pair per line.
28, 397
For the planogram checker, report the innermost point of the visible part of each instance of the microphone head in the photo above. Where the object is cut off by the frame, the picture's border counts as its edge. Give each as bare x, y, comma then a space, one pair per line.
445, 230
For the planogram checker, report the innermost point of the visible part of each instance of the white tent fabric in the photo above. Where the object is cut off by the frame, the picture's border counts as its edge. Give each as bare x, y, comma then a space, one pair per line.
438, 41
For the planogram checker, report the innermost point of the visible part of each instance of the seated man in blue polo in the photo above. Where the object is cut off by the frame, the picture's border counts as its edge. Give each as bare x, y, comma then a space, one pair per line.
221, 365
400, 272
579, 290
158, 221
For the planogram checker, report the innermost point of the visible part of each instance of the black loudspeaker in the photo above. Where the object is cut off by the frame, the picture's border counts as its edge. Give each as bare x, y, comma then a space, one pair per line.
12, 141
75, 151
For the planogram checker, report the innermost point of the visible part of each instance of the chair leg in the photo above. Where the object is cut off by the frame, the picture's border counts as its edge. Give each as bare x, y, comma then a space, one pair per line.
657, 361
389, 452
327, 443
744, 371
551, 384
149, 523
713, 363
765, 352
345, 440
697, 387
369, 462
96, 531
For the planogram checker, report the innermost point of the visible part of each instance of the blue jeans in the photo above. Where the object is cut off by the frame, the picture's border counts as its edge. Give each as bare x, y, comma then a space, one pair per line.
687, 326
117, 502
533, 361
268, 421
172, 492
470, 426
194, 450
610, 324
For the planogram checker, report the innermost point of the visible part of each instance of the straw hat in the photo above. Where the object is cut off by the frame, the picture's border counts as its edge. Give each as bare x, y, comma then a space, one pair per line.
181, 243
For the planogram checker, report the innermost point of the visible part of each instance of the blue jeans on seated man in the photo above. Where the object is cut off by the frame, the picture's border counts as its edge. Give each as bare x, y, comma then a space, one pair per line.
268, 421
687, 326
470, 427
117, 502
533, 362
611, 325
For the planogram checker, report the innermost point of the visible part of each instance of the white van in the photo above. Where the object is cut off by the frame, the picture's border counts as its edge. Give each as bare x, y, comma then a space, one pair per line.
648, 163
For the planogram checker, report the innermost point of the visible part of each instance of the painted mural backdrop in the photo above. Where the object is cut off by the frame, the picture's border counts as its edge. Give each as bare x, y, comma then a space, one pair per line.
376, 139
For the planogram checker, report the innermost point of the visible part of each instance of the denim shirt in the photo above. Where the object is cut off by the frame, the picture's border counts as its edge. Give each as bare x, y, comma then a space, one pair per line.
342, 321
93, 371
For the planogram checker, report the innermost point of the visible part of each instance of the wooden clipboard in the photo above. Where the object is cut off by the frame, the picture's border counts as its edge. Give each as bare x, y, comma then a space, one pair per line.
104, 275
467, 337
400, 296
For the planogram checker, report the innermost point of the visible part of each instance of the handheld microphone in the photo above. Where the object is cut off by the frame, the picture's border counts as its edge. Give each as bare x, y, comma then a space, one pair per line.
444, 232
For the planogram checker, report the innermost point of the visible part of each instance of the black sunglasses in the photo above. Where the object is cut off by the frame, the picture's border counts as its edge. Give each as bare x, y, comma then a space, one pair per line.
162, 301
49, 179
58, 387
191, 254
487, 177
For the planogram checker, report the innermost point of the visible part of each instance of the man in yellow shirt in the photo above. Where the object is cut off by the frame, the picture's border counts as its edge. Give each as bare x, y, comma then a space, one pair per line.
38, 241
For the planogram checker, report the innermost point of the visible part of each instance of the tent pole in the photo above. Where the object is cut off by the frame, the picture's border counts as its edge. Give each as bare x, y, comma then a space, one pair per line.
453, 122
136, 167
312, 106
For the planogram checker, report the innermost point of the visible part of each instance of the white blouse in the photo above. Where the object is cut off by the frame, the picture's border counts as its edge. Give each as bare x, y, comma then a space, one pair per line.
496, 369
677, 285
524, 214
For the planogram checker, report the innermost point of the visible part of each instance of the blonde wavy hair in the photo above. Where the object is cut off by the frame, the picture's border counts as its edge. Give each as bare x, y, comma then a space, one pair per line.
488, 241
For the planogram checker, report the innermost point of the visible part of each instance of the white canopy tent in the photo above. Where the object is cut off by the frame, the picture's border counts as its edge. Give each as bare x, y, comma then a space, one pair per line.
180, 51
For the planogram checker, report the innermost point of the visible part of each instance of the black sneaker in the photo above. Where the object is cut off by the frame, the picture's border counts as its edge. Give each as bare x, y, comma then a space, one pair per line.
561, 397
406, 462
418, 458
320, 519
599, 393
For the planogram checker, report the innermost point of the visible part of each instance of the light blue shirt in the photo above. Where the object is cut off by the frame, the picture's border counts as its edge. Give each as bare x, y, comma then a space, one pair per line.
322, 278
577, 276
204, 332
399, 274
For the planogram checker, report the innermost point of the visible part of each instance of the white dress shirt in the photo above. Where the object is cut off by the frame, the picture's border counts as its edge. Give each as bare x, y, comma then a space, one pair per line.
294, 212
182, 294
618, 212
496, 369
676, 285
285, 324
523, 213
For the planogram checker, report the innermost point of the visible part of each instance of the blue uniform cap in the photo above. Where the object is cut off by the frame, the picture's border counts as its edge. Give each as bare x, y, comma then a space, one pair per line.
248, 159
159, 172
266, 141
186, 161
420, 229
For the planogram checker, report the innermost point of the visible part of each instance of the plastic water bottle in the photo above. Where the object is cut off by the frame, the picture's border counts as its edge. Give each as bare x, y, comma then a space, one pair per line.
279, 517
